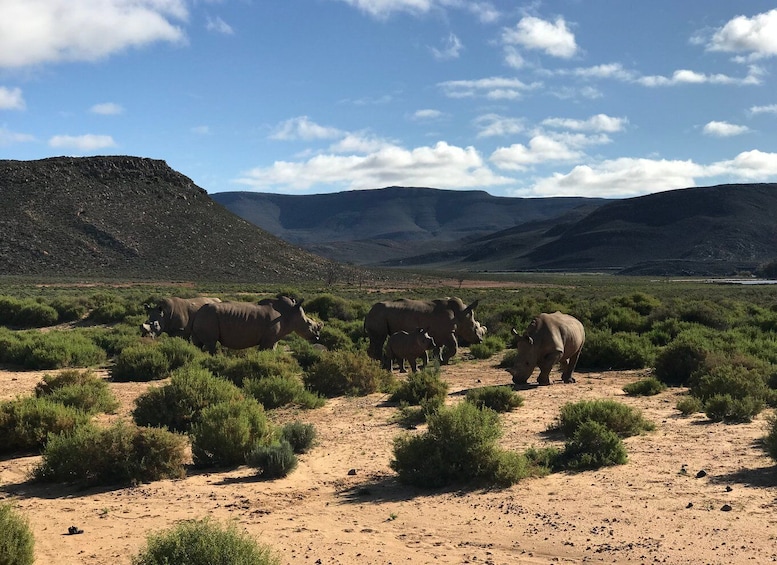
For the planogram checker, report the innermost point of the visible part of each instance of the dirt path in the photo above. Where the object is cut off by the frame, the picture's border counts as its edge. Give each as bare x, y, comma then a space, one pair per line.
647, 511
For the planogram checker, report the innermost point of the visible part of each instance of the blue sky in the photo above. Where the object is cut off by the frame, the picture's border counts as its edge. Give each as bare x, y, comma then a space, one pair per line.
599, 98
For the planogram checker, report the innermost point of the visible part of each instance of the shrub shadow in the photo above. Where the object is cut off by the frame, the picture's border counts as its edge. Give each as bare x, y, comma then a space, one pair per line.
388, 488
762, 477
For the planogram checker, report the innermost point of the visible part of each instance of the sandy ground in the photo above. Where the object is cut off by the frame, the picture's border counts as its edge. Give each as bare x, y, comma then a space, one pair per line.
647, 511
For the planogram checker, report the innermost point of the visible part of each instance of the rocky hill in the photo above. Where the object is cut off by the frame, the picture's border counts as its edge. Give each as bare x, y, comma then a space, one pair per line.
129, 217
390, 224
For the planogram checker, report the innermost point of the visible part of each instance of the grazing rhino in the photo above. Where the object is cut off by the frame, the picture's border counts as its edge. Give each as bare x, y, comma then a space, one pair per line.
173, 316
444, 319
239, 325
408, 345
549, 339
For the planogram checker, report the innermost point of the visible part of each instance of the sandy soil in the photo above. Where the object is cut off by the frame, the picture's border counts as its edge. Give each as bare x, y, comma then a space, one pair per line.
647, 511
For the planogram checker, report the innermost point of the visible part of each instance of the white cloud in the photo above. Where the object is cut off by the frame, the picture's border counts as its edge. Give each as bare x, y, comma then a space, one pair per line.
628, 177
383, 9
8, 137
88, 142
724, 129
493, 125
756, 36
35, 32
451, 49
427, 114
485, 11
541, 149
11, 99
599, 122
534, 33
359, 143
513, 58
494, 88
684, 76
218, 25
201, 130
441, 166
770, 109
107, 109
303, 128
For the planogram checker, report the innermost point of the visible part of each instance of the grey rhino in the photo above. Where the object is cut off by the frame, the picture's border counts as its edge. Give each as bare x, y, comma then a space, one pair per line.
549, 339
239, 325
409, 345
173, 316
445, 319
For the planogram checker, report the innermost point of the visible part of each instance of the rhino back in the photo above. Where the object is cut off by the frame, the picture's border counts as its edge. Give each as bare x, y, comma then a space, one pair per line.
557, 331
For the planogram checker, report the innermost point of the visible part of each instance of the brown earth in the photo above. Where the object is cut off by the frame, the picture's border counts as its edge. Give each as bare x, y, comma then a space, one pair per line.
647, 511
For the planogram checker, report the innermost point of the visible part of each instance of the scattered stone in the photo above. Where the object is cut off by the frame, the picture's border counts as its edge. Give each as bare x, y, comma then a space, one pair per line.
352, 472
690, 505
726, 508
728, 488
701, 474
73, 530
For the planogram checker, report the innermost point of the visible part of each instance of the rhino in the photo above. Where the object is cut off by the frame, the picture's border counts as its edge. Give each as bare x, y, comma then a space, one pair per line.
239, 325
549, 339
445, 319
173, 316
408, 346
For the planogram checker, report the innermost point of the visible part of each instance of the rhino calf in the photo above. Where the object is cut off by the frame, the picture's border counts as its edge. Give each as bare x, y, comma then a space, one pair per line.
549, 339
409, 346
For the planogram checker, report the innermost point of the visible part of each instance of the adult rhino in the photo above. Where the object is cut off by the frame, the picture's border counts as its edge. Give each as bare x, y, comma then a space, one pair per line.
239, 325
173, 316
549, 339
444, 319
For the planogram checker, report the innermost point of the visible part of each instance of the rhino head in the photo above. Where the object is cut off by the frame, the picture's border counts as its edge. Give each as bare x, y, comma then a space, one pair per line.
467, 327
525, 359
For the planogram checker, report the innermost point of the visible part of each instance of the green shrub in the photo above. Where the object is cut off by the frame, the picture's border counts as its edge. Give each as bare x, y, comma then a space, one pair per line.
304, 352
737, 381
141, 363
726, 408
350, 373
177, 405
508, 359
60, 349
770, 440
79, 389
593, 445
328, 306
490, 346
178, 352
421, 386
69, 309
252, 364
334, 338
108, 313
620, 418
273, 461
459, 446
25, 423
649, 386
300, 436
202, 542
274, 392
226, 431
120, 454
688, 405
640, 302
676, 362
17, 544
498, 398
26, 313
605, 350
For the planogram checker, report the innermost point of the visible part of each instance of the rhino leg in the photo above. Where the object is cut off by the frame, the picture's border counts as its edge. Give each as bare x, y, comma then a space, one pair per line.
402, 365
569, 367
413, 364
520, 380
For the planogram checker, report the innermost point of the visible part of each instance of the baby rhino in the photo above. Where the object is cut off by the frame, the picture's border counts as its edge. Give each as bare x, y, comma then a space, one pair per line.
549, 339
409, 345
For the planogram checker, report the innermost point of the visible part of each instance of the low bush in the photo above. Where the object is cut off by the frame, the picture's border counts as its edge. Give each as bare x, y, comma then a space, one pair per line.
17, 544
79, 389
275, 392
508, 359
203, 542
593, 445
688, 405
61, 349
253, 364
273, 461
26, 423
605, 350
140, 363
350, 373
459, 446
328, 306
489, 347
226, 431
676, 362
334, 338
120, 454
69, 309
421, 386
299, 435
179, 352
108, 313
26, 313
620, 418
497, 398
304, 352
178, 404
736, 380
732, 410
649, 386
770, 440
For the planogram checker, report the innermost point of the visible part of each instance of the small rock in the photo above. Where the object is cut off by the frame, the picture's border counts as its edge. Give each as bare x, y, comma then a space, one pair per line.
728, 488
690, 505
352, 472
726, 508
701, 474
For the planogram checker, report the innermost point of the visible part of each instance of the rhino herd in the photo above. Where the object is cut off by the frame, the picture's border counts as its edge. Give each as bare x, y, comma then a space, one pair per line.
398, 330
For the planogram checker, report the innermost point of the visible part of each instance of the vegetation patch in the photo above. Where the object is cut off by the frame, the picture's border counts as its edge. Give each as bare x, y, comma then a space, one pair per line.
497, 398
141, 363
299, 435
17, 544
79, 389
624, 420
649, 386
348, 373
273, 461
26, 423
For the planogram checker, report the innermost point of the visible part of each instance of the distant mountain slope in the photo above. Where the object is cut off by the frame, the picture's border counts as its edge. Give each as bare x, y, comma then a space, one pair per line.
707, 231
131, 217
371, 226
